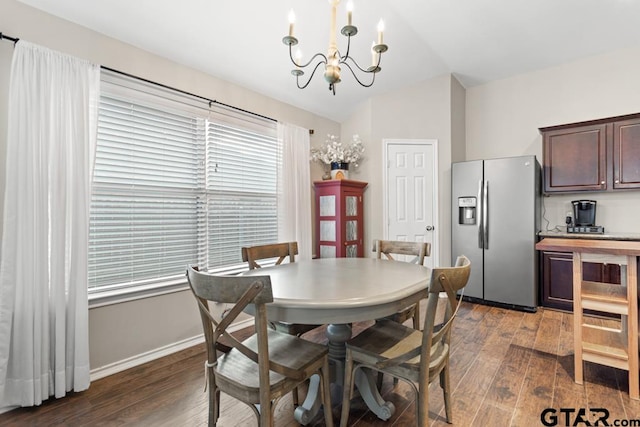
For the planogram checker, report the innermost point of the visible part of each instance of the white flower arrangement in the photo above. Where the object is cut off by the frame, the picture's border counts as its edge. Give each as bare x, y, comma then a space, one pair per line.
335, 152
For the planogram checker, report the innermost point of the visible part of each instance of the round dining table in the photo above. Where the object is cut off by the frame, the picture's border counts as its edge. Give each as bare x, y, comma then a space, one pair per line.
337, 292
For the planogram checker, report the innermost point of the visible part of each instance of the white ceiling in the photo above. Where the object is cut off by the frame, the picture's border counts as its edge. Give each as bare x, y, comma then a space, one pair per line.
476, 40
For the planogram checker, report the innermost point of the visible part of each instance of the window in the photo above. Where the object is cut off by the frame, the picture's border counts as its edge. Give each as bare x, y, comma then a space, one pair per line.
176, 182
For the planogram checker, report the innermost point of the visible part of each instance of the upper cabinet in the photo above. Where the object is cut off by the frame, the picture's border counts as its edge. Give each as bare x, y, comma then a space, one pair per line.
626, 153
598, 155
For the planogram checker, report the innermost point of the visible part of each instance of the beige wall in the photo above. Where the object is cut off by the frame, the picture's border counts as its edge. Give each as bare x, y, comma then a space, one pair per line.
503, 118
128, 329
422, 111
458, 121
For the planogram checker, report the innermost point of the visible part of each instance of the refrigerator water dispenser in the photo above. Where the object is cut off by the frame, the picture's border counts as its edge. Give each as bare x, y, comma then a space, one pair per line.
467, 210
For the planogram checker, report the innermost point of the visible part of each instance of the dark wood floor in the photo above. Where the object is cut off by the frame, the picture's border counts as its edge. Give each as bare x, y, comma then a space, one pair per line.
507, 366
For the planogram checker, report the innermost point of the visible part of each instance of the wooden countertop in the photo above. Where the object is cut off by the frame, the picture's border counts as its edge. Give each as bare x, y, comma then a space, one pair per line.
613, 247
590, 236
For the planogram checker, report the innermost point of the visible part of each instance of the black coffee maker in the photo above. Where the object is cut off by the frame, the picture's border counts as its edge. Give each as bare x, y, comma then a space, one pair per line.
584, 218
584, 213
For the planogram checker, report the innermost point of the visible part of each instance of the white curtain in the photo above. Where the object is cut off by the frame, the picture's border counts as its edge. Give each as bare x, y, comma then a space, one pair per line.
44, 347
294, 188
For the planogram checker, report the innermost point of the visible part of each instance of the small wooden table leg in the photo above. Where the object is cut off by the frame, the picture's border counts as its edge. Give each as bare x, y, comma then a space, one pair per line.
577, 317
632, 326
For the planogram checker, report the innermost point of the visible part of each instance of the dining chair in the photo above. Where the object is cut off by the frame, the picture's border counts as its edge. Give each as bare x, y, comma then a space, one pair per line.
252, 254
417, 357
266, 366
391, 249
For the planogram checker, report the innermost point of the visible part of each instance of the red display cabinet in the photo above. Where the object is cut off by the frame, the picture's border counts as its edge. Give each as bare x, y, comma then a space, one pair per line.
339, 218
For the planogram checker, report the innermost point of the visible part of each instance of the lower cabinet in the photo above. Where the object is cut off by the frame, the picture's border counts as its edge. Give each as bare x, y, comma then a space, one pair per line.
557, 278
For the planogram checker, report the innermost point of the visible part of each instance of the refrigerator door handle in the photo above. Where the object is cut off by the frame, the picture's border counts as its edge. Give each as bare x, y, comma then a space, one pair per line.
485, 214
480, 216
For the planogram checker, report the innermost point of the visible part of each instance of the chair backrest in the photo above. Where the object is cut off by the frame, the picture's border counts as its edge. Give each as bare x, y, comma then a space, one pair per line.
449, 280
389, 248
253, 254
240, 291
436, 338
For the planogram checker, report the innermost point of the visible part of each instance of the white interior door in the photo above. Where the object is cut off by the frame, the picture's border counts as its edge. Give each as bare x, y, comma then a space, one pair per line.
411, 185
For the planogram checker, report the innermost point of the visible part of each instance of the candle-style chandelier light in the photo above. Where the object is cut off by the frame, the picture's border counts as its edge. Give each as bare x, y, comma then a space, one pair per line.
334, 59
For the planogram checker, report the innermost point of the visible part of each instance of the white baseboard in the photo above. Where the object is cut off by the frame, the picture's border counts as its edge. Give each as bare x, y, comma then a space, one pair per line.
139, 359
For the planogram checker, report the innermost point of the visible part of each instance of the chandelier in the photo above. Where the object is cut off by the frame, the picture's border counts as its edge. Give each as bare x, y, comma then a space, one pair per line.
334, 59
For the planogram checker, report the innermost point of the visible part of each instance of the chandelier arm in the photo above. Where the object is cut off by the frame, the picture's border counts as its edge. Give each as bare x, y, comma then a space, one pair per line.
348, 49
368, 70
356, 77
323, 56
310, 77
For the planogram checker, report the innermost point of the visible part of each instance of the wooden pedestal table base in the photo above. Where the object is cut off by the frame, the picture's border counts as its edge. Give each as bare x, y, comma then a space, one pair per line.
365, 382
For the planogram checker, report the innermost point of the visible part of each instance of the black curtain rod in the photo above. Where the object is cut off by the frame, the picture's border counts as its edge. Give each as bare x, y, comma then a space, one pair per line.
210, 101
12, 39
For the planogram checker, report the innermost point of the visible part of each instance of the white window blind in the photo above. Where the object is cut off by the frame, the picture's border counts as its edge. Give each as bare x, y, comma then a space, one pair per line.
241, 187
175, 185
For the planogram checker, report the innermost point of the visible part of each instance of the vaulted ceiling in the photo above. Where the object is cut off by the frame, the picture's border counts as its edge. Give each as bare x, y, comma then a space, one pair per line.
477, 40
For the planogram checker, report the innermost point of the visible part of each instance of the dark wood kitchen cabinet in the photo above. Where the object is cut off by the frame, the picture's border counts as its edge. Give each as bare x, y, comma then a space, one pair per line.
626, 153
557, 277
598, 155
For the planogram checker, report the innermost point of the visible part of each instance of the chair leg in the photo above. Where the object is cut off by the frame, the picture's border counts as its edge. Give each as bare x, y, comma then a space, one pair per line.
379, 379
266, 414
445, 383
326, 394
423, 405
214, 401
212, 410
295, 398
416, 317
347, 389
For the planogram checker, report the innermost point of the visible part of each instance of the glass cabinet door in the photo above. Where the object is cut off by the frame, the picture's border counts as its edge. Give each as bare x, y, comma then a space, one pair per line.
351, 205
351, 226
328, 232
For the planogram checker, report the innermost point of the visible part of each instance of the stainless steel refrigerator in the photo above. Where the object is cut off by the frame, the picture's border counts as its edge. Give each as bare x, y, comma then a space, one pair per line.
495, 221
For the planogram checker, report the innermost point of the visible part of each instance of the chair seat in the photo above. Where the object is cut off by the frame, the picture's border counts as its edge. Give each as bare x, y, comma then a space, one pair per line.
238, 374
387, 339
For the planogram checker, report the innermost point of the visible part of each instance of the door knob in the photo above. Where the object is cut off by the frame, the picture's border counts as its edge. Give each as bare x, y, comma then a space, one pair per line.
429, 227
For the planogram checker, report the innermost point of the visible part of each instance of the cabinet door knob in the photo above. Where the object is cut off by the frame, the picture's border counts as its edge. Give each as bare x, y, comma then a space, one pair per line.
601, 182
429, 227
617, 181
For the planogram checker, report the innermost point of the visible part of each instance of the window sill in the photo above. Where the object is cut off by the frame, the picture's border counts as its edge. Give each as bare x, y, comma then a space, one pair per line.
104, 298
